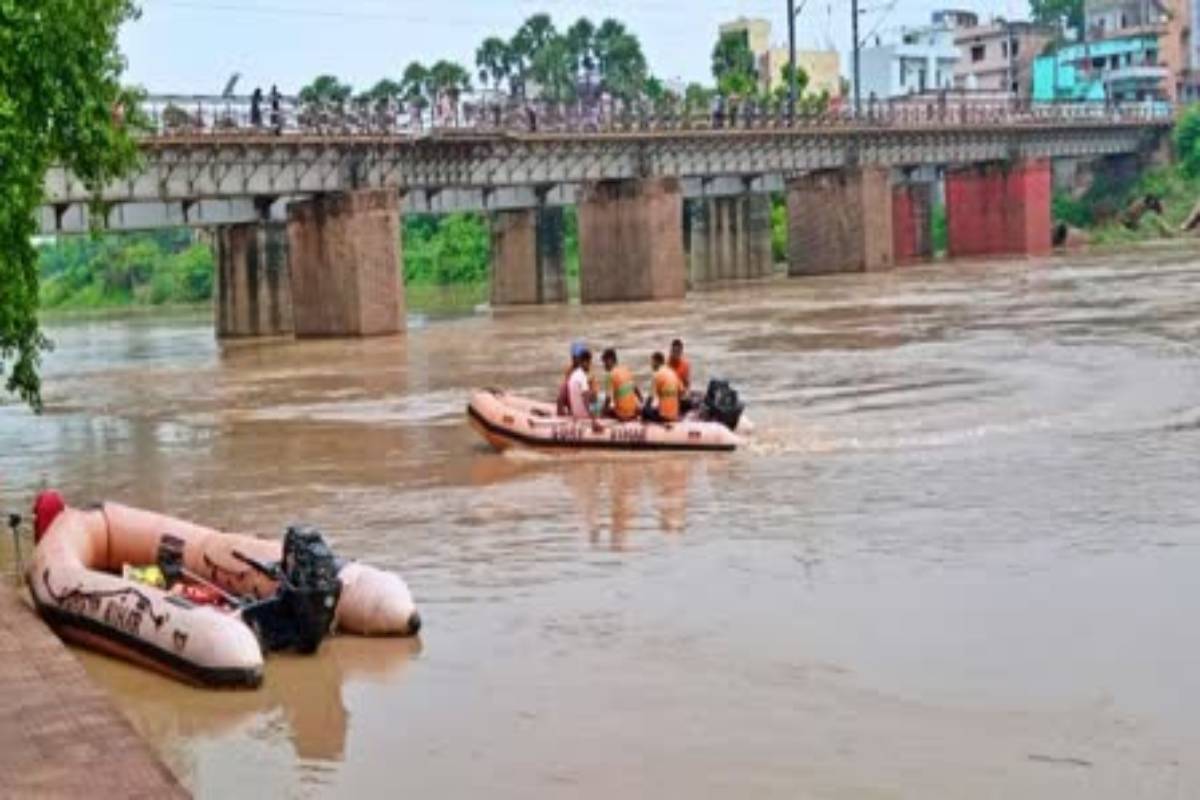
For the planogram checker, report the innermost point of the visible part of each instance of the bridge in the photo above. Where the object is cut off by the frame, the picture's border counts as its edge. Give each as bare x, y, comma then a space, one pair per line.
306, 201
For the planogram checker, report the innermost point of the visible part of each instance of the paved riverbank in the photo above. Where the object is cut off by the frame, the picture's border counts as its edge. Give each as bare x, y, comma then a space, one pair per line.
61, 735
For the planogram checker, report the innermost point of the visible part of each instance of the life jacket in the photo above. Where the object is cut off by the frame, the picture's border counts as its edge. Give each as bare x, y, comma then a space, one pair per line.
683, 369
667, 389
623, 394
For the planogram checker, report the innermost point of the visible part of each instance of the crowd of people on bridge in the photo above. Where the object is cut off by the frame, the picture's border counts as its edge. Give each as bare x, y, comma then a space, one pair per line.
667, 400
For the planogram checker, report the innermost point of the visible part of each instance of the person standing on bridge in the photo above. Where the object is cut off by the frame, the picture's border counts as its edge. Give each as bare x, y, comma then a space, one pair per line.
276, 115
256, 107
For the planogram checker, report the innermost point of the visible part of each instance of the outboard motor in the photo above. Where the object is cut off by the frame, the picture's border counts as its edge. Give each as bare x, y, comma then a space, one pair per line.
301, 613
721, 404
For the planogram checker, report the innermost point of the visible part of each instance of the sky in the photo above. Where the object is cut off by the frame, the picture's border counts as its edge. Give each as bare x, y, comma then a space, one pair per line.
194, 46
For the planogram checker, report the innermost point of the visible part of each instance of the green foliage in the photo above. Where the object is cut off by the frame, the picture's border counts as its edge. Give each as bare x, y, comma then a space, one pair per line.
1056, 13
733, 66
940, 236
446, 250
383, 92
698, 98
779, 228
1073, 211
165, 267
494, 61
1187, 140
415, 85
553, 67
61, 101
326, 90
571, 242
1179, 193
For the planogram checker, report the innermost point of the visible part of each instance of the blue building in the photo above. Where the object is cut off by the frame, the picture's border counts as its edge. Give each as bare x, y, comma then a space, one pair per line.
1119, 60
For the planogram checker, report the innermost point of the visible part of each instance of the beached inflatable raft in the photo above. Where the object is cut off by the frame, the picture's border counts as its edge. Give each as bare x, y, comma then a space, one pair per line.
506, 420
230, 597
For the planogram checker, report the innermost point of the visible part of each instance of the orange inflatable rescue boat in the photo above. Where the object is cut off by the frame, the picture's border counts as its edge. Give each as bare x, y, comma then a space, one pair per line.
506, 420
197, 604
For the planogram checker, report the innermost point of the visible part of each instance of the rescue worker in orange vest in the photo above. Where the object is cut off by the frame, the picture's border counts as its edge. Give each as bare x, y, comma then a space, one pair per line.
622, 397
664, 404
682, 367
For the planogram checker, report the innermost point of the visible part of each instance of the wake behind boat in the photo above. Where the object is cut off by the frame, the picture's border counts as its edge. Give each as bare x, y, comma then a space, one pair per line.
506, 420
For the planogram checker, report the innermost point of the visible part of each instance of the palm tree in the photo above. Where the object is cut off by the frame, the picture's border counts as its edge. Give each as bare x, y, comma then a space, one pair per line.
494, 61
536, 32
414, 86
448, 80
326, 89
624, 71
581, 38
526, 43
552, 68
619, 60
379, 99
382, 92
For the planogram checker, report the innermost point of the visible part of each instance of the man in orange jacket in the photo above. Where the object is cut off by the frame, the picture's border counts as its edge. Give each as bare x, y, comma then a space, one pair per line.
681, 366
622, 396
664, 401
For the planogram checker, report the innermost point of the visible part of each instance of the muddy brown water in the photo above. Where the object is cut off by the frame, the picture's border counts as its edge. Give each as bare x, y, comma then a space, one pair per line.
959, 558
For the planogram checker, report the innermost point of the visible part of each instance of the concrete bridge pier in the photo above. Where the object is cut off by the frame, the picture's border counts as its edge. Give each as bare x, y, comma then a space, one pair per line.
840, 221
728, 238
345, 257
999, 208
254, 284
528, 265
631, 241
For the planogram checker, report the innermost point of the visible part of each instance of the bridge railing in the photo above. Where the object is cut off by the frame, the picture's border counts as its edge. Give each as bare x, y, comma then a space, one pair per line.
192, 115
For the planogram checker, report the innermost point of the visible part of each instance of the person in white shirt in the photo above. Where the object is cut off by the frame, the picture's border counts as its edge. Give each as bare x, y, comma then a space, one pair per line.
581, 400
579, 387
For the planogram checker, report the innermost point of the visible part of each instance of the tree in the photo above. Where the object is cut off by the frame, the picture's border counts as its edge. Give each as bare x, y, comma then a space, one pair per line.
382, 91
525, 46
782, 90
581, 39
448, 80
414, 86
1187, 141
697, 99
61, 101
1056, 13
662, 99
326, 90
619, 58
494, 61
553, 67
733, 66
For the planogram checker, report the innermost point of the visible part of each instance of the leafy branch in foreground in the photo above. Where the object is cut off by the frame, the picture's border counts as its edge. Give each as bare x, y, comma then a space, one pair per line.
61, 102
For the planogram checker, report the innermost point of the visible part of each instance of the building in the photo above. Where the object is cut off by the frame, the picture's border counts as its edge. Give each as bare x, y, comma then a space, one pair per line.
923, 60
823, 67
1132, 51
756, 31
997, 58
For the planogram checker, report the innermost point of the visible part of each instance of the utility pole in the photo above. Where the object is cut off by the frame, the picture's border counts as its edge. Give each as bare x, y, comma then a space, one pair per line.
857, 60
791, 58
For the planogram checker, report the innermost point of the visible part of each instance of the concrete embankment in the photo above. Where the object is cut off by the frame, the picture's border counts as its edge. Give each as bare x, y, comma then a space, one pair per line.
61, 736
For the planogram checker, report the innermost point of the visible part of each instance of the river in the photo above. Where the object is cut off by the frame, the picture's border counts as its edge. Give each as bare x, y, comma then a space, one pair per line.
959, 558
